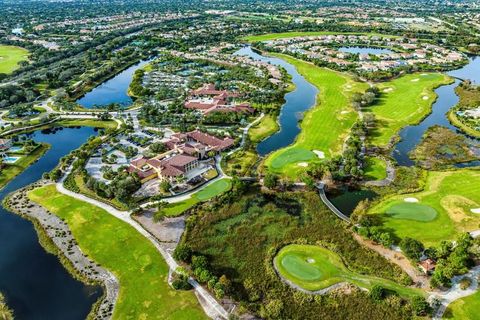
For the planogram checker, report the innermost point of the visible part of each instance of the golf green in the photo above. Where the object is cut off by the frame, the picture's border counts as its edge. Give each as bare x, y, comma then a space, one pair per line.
290, 155
10, 56
315, 268
411, 211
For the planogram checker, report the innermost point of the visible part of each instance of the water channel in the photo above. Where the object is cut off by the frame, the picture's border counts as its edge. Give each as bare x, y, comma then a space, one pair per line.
34, 282
113, 90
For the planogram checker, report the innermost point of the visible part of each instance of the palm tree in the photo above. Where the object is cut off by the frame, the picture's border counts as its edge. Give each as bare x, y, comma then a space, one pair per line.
5, 312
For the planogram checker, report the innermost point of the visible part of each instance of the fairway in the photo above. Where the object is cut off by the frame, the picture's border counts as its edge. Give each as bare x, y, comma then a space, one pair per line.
118, 247
325, 127
315, 268
403, 101
464, 309
10, 56
210, 191
442, 212
411, 211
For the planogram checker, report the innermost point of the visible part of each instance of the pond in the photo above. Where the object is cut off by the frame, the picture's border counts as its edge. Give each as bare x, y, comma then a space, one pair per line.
296, 102
365, 50
34, 282
347, 200
447, 98
114, 90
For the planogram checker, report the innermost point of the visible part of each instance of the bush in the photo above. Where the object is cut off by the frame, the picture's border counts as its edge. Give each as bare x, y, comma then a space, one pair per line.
182, 253
181, 282
420, 306
377, 293
465, 283
412, 248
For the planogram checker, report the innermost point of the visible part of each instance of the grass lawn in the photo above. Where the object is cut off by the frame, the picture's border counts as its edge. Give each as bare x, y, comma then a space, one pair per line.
265, 128
315, 268
12, 170
241, 162
213, 190
10, 56
464, 309
326, 125
376, 169
109, 124
443, 210
139, 267
403, 101
283, 35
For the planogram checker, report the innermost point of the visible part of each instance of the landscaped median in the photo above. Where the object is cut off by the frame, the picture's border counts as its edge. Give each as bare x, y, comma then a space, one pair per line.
314, 268
118, 247
324, 127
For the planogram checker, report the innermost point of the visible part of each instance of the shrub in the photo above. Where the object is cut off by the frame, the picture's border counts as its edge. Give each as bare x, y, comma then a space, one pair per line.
182, 253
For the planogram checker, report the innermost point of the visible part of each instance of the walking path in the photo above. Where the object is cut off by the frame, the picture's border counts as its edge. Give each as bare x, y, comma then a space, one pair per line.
321, 190
214, 308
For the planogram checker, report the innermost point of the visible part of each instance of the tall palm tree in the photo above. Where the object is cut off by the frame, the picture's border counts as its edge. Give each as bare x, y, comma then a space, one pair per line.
5, 312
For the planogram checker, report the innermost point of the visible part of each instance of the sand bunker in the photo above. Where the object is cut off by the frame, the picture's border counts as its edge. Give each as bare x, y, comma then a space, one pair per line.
415, 80
476, 210
310, 260
303, 164
412, 200
425, 97
424, 74
388, 90
344, 112
319, 153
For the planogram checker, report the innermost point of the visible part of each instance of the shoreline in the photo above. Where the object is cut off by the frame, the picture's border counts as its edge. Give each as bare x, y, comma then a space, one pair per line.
56, 238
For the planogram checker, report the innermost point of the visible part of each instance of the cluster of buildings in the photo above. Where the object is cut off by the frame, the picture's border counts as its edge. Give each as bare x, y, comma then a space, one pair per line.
406, 52
208, 99
185, 150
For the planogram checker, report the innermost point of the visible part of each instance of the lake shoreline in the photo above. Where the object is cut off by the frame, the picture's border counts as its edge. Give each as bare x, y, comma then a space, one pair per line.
56, 238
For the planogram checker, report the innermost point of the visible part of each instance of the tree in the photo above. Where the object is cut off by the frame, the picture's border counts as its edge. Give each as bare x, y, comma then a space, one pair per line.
182, 253
420, 306
273, 309
412, 248
377, 293
270, 180
165, 186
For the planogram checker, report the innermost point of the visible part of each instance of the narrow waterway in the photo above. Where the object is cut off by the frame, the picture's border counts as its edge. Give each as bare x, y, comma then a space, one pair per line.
297, 101
34, 282
447, 98
113, 90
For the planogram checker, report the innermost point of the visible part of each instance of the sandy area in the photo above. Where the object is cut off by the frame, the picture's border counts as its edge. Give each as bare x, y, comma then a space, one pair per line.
302, 164
424, 74
310, 260
476, 210
415, 80
344, 112
425, 97
412, 200
388, 90
319, 153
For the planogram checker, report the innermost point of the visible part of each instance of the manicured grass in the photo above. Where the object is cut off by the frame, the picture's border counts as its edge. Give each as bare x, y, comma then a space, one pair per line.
326, 125
314, 268
375, 169
213, 190
9, 171
464, 309
109, 124
265, 128
411, 211
283, 35
452, 194
118, 247
403, 101
10, 56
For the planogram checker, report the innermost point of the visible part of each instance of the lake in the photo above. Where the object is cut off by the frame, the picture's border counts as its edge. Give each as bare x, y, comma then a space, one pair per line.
34, 282
114, 90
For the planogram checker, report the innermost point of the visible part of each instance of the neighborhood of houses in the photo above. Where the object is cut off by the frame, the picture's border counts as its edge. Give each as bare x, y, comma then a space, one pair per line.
401, 51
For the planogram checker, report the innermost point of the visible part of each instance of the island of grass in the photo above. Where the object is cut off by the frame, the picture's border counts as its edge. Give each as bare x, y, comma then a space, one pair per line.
11, 170
448, 206
118, 247
210, 191
375, 168
314, 268
10, 56
263, 129
324, 127
403, 101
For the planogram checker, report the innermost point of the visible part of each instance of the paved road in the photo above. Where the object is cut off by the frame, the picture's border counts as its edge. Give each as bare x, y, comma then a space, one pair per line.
125, 216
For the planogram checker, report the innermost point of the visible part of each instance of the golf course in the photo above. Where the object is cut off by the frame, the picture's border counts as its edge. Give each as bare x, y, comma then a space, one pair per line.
375, 169
325, 127
449, 205
315, 268
403, 101
10, 56
118, 247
